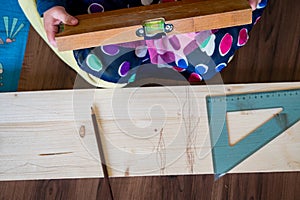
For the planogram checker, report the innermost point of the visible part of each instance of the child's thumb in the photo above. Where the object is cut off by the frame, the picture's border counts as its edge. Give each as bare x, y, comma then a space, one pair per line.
68, 19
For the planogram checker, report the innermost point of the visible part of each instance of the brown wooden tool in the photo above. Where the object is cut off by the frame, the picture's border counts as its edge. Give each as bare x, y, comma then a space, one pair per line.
120, 26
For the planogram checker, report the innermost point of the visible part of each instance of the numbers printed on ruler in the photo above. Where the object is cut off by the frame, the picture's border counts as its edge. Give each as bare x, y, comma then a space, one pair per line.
226, 156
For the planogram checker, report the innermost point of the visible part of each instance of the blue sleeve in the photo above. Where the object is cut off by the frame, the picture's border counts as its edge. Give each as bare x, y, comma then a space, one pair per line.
44, 5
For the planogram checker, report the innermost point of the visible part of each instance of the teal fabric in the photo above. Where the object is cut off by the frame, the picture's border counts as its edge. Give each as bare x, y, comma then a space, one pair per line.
14, 28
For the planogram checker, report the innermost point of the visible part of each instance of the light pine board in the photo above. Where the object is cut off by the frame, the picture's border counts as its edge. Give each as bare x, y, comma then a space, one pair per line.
120, 26
147, 131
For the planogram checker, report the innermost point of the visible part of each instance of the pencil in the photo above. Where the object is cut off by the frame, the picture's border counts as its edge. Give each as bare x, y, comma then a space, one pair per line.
100, 149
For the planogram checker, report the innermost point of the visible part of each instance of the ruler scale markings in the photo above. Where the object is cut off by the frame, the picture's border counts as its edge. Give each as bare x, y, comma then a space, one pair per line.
226, 156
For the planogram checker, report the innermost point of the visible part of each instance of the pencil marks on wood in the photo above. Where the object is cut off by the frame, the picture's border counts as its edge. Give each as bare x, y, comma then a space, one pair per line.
161, 152
190, 121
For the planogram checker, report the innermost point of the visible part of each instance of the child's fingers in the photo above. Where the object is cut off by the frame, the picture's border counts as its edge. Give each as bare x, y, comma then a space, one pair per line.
65, 18
50, 28
52, 18
51, 31
254, 3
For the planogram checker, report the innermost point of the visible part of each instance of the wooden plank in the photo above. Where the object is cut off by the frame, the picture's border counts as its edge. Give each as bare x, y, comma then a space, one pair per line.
147, 131
120, 25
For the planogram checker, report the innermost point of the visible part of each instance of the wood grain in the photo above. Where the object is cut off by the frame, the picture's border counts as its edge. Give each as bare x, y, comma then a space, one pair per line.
252, 63
274, 186
272, 52
43, 70
146, 132
187, 16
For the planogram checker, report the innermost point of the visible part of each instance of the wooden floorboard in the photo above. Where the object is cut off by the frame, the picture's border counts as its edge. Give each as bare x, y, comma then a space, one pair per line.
274, 186
272, 54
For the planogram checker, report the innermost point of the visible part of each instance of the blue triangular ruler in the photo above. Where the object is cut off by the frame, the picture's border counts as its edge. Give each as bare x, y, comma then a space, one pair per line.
225, 156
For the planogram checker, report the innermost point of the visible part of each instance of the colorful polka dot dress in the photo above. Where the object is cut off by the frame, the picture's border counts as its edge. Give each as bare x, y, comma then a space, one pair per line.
196, 56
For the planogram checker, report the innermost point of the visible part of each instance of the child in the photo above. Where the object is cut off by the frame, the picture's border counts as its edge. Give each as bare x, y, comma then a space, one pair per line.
197, 56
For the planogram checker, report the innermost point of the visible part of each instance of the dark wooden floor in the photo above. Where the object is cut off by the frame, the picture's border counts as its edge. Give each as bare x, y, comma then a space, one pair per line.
271, 55
281, 186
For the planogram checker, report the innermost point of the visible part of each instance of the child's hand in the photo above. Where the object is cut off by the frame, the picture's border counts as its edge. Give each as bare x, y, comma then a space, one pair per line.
52, 18
254, 3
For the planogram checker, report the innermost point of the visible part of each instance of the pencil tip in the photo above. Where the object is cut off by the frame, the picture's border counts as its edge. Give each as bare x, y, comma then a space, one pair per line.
92, 110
